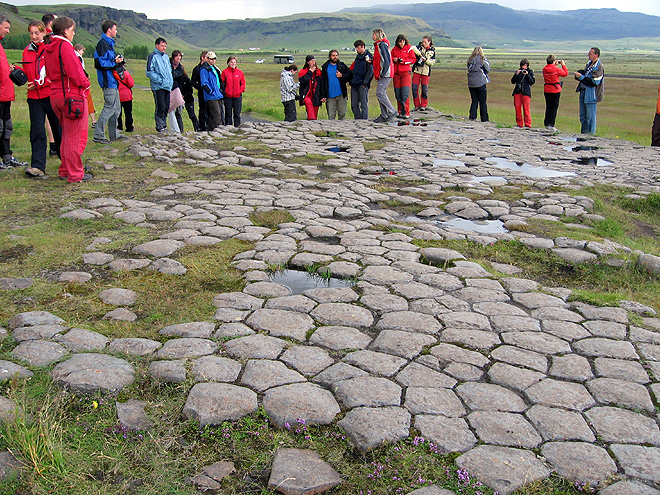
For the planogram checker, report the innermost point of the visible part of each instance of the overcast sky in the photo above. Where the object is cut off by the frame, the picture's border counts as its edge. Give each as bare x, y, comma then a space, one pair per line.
232, 9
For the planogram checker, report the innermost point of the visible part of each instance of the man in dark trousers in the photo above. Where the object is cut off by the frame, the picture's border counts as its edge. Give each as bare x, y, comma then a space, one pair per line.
194, 79
334, 76
363, 72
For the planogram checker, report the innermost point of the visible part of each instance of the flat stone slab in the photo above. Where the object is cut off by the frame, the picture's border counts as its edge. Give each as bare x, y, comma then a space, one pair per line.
90, 373
32, 318
490, 397
369, 427
342, 314
376, 363
267, 289
75, 277
280, 323
639, 461
211, 475
39, 352
15, 283
559, 425
10, 467
447, 434
168, 371
307, 360
301, 472
159, 248
215, 369
9, 370
427, 400
186, 348
37, 332
82, 340
431, 490
616, 425
118, 297
580, 462
555, 393
338, 338
237, 300
502, 468
600, 347
131, 415
629, 488
195, 329
385, 275
120, 314
401, 343
257, 346
503, 428
213, 403
409, 321
262, 374
622, 393
304, 401
135, 346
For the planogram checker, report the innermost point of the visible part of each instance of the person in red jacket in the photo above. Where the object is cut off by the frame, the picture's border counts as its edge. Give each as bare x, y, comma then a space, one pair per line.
310, 87
383, 70
68, 81
403, 58
655, 131
7, 95
233, 81
38, 98
126, 83
552, 89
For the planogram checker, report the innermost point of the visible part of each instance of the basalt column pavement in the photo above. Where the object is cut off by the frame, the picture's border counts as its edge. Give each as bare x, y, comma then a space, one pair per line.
496, 367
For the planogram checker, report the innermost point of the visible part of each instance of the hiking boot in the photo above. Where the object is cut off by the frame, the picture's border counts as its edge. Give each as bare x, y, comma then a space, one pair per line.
13, 162
380, 119
101, 140
34, 172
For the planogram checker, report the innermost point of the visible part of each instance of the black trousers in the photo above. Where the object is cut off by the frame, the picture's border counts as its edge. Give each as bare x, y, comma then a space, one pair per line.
162, 102
214, 114
203, 116
127, 112
40, 110
478, 96
233, 108
551, 106
655, 131
190, 108
6, 129
290, 114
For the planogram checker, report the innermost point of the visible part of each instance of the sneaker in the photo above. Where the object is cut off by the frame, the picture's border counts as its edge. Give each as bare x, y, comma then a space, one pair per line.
85, 178
3, 166
34, 172
101, 140
407, 116
391, 118
422, 109
121, 137
380, 119
417, 109
13, 162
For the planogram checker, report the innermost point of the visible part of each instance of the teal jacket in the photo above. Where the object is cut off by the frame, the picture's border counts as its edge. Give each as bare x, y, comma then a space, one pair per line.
159, 71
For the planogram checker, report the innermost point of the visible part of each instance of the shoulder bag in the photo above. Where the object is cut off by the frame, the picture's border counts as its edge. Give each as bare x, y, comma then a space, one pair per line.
74, 107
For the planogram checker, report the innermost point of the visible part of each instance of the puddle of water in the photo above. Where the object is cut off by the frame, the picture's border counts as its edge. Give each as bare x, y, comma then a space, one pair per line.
449, 163
299, 281
478, 226
338, 149
490, 178
526, 168
598, 162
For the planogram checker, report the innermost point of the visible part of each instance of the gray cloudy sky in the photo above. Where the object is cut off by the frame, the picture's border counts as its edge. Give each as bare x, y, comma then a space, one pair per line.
231, 9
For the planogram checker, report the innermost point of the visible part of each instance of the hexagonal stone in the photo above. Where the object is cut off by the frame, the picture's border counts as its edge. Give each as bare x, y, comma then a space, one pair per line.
621, 369
307, 360
465, 319
621, 392
554, 393
604, 328
416, 374
332, 294
299, 303
32, 318
619, 315
168, 266
385, 275
280, 323
168, 371
367, 391
521, 357
384, 302
639, 462
447, 434
534, 300
403, 344
559, 425
215, 369
267, 289
9, 370
159, 248
502, 468
213, 403
135, 346
369, 427
503, 428
97, 258
409, 321
80, 340
288, 403
128, 264
342, 314
489, 397
37, 332
616, 425
565, 329
600, 347
257, 346
39, 352
437, 401
186, 348
195, 329
629, 488
262, 374
377, 363
580, 462
337, 373
571, 367
338, 338
90, 373
476, 339
301, 472
447, 353
118, 297
120, 314
441, 255
237, 300
537, 341
513, 376
514, 323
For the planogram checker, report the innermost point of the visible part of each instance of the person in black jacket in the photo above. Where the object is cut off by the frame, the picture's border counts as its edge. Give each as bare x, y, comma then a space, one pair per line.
362, 69
182, 81
523, 79
334, 76
194, 81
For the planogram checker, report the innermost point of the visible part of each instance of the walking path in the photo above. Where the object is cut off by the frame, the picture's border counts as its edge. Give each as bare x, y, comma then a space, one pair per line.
497, 367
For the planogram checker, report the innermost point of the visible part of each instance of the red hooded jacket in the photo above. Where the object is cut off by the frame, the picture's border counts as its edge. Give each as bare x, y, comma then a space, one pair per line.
34, 66
383, 66
7, 92
74, 81
405, 58
234, 82
126, 82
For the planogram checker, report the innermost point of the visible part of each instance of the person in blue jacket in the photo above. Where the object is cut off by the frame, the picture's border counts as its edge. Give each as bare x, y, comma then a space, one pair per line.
159, 72
106, 61
209, 80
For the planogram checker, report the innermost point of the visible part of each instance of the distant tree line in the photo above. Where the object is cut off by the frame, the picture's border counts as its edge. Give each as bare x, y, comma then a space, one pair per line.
140, 52
16, 42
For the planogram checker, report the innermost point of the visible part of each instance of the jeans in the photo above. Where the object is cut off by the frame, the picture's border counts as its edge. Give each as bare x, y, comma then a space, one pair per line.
478, 96
551, 106
39, 110
587, 116
360, 102
424, 81
336, 107
655, 131
162, 103
127, 110
290, 111
233, 108
74, 140
386, 108
523, 114
109, 114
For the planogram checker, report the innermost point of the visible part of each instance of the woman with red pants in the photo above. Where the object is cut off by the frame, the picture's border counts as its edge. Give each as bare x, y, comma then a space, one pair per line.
523, 79
425, 52
403, 57
68, 82
310, 91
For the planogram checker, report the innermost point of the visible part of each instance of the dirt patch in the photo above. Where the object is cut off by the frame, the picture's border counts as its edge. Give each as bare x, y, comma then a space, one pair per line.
643, 229
19, 252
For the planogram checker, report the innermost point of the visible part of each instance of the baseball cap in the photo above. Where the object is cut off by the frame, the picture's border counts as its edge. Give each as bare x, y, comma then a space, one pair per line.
211, 55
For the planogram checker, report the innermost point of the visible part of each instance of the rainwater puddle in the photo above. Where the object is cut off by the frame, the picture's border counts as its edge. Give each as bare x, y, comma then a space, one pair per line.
448, 163
299, 281
478, 226
489, 179
526, 168
598, 162
338, 149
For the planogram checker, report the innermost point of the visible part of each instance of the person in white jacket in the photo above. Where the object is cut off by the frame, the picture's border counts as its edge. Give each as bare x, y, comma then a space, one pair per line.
288, 90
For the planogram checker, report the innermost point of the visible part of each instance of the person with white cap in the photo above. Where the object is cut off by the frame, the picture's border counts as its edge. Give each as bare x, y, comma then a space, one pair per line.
209, 80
